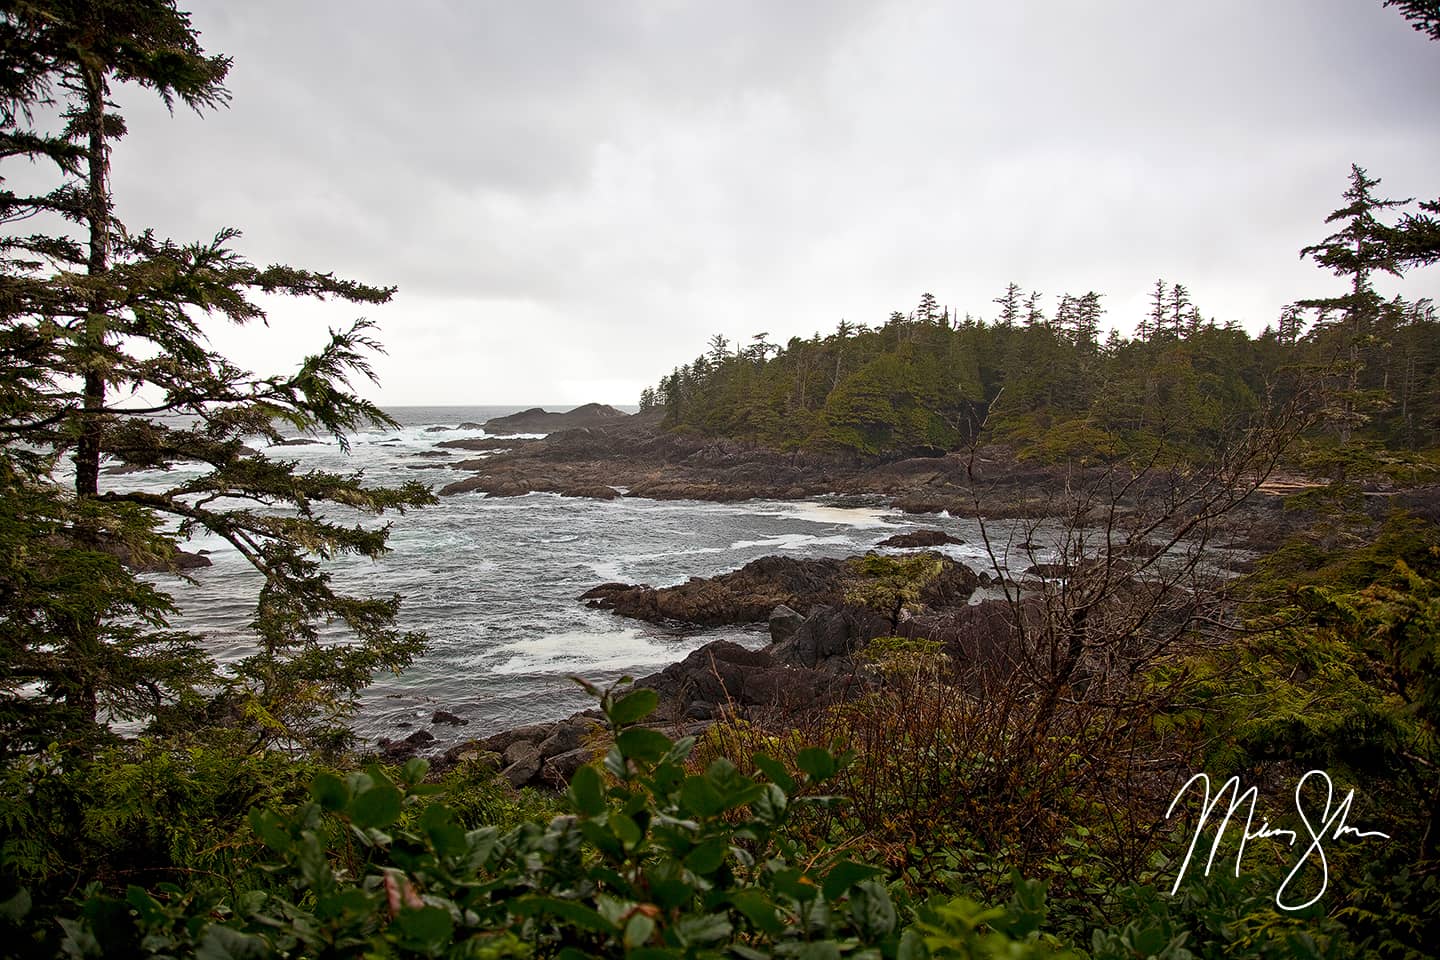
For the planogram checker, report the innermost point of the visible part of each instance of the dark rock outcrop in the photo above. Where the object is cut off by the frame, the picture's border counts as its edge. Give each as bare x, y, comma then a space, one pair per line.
542, 754
783, 623
750, 594
537, 420
484, 443
505, 487
398, 751
828, 633
176, 561
725, 674
919, 538
746, 595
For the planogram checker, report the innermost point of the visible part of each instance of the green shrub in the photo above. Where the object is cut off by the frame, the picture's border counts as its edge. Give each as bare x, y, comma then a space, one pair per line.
650, 861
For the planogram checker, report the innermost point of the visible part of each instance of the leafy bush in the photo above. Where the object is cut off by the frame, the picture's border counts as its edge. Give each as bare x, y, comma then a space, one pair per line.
651, 861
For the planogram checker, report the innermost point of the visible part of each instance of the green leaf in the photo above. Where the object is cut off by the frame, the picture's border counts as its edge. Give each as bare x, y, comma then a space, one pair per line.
759, 909
415, 769
642, 744
568, 910
224, 943
770, 806
699, 796
626, 829
587, 792
270, 829
428, 929
634, 707
330, 792
776, 771
602, 837
707, 857
845, 875
680, 751
638, 930
872, 910
17, 906
818, 763
796, 885
347, 900
912, 946
446, 836
377, 807
702, 929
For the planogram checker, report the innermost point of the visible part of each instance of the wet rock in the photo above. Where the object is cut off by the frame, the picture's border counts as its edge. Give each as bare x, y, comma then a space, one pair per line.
558, 770
445, 716
523, 768
700, 710
746, 595
919, 538
537, 420
783, 623
595, 491
830, 632
479, 443
398, 751
750, 594
723, 672
568, 735
501, 741
519, 749
175, 561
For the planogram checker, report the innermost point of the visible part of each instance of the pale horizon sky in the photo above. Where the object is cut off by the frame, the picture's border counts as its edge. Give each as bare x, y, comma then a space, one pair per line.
573, 197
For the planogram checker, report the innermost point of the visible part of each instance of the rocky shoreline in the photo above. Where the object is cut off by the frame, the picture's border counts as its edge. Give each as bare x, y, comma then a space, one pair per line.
814, 659
819, 617
633, 456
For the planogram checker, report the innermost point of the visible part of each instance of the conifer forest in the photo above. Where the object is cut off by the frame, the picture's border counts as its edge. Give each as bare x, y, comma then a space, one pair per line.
1158, 676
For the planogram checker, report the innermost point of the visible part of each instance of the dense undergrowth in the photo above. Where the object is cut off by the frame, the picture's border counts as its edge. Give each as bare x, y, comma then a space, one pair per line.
883, 827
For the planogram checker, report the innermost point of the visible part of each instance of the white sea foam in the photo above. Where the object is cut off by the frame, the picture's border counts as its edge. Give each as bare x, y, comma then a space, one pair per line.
816, 512
792, 541
577, 651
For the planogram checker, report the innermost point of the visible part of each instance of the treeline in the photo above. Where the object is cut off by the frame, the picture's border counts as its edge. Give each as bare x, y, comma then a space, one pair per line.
1045, 375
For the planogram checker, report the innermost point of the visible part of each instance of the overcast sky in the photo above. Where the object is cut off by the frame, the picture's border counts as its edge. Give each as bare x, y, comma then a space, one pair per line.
572, 197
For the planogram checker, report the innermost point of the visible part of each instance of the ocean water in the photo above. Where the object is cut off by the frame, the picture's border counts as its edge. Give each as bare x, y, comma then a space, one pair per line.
494, 582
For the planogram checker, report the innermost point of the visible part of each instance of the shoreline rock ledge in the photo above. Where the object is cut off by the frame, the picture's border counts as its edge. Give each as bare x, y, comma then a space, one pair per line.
539, 420
809, 664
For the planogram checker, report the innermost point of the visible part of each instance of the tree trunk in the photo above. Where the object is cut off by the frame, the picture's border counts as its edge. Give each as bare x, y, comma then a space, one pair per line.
83, 693
87, 453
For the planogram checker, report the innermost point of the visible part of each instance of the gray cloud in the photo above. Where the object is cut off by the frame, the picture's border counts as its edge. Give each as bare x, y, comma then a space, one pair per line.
573, 196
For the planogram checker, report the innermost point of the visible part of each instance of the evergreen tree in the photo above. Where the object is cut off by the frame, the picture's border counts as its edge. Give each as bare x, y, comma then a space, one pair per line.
1086, 324
1417, 239
1034, 313
1009, 306
1424, 15
112, 363
929, 309
1153, 322
1362, 247
1177, 308
1292, 323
